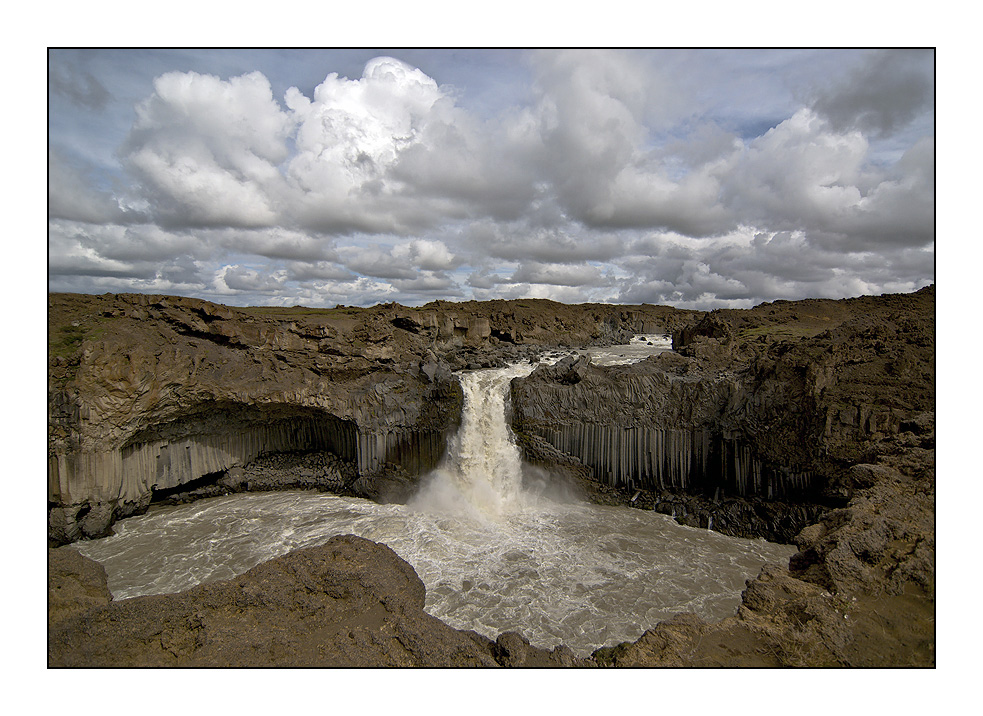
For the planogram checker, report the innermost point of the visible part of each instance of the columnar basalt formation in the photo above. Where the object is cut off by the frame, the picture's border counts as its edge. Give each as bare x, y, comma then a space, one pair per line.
646, 426
773, 405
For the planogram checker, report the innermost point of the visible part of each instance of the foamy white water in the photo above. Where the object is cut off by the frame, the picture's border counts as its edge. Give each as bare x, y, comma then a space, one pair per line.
481, 475
578, 574
494, 557
639, 348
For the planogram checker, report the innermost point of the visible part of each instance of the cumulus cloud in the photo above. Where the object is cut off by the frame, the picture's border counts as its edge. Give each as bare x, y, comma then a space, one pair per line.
424, 254
242, 278
746, 267
114, 249
360, 291
402, 261
607, 179
206, 150
391, 152
798, 174
589, 114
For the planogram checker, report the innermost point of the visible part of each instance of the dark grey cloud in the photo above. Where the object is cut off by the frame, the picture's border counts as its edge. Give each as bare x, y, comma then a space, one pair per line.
324, 270
558, 274
886, 92
378, 264
242, 278
275, 243
514, 242
182, 270
485, 280
76, 84
430, 283
73, 192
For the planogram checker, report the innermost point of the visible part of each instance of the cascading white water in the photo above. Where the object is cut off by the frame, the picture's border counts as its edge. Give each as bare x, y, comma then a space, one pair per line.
482, 472
492, 556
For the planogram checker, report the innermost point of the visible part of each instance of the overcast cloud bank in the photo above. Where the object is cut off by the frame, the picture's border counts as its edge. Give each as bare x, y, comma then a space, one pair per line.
697, 179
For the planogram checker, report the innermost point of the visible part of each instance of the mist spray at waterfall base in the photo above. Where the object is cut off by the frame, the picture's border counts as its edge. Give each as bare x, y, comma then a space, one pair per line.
494, 556
481, 476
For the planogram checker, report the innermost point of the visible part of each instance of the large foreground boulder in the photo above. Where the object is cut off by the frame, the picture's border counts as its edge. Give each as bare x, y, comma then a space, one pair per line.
350, 602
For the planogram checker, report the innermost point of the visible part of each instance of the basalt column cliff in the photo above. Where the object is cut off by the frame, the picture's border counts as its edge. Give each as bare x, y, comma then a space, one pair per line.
770, 407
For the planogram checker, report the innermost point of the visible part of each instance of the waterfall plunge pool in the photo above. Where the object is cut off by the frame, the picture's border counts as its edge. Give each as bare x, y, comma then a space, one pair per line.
494, 556
559, 573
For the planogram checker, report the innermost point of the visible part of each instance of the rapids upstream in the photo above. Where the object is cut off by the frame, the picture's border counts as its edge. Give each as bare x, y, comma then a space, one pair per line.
494, 553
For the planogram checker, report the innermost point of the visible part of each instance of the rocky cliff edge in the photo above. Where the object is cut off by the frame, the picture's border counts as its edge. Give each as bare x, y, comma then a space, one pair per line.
148, 393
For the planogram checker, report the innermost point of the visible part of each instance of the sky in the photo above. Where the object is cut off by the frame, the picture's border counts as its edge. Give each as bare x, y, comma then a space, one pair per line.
694, 178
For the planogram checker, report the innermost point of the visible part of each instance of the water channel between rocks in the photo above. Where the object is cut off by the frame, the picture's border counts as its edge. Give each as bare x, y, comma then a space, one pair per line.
494, 555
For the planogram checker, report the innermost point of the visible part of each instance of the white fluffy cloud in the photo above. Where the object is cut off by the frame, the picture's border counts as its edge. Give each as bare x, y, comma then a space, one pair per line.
206, 151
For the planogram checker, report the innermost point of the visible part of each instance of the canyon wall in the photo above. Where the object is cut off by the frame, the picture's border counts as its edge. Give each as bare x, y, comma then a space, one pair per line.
148, 393
645, 426
823, 404
771, 405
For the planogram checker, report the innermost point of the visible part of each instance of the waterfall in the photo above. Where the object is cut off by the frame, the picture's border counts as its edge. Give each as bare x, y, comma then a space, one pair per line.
481, 473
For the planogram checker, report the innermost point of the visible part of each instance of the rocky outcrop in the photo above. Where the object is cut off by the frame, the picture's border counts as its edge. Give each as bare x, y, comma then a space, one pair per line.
753, 424
350, 602
149, 393
860, 592
680, 438
657, 424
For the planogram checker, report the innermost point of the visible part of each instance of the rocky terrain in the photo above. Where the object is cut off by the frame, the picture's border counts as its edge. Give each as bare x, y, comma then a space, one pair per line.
149, 393
753, 423
809, 422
